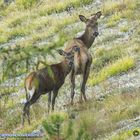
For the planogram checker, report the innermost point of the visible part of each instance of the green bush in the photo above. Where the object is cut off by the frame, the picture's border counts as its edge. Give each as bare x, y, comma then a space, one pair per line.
53, 126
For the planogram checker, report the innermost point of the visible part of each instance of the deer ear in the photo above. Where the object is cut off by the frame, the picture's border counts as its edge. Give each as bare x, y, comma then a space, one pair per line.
60, 51
83, 18
98, 14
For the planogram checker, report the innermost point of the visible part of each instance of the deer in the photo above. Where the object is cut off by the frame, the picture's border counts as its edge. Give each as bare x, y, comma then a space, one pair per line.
47, 80
83, 59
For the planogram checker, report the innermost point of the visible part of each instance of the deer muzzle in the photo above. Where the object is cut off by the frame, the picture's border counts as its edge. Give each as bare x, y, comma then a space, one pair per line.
96, 34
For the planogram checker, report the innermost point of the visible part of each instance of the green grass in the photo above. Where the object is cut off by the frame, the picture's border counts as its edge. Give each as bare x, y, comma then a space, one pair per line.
103, 57
3, 39
33, 27
116, 114
95, 118
39, 29
26, 4
111, 7
114, 19
31, 23
43, 8
92, 122
56, 26
124, 28
121, 65
17, 21
7, 90
61, 6
108, 39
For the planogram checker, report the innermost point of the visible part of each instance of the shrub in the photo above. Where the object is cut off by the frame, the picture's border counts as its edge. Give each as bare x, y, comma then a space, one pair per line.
121, 65
53, 126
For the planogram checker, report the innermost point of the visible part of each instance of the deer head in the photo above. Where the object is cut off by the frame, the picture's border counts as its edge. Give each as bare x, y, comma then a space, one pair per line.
69, 56
91, 23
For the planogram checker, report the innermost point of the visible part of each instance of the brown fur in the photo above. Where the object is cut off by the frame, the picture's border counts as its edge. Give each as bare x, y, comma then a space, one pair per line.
83, 59
29, 79
45, 80
48, 80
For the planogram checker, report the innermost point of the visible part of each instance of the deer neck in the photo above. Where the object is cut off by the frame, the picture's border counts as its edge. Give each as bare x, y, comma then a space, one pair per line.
65, 68
87, 38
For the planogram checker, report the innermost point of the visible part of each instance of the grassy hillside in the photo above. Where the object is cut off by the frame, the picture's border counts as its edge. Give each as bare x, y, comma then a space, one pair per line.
31, 31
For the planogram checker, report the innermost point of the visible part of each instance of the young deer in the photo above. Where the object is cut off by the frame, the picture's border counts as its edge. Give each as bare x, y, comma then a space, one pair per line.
83, 59
48, 79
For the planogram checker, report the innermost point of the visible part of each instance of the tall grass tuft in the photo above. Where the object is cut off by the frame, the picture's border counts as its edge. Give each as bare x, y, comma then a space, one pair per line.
121, 65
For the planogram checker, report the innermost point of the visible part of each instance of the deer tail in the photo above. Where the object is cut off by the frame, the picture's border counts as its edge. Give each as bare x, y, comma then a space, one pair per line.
28, 85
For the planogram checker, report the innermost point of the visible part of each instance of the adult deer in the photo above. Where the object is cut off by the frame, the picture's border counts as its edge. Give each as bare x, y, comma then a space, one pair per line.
48, 79
83, 60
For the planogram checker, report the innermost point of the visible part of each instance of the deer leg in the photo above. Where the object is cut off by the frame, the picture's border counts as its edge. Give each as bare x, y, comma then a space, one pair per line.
72, 77
49, 101
27, 105
26, 112
84, 81
55, 92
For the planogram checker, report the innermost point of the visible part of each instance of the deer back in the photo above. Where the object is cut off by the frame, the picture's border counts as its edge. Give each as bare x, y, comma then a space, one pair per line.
46, 79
